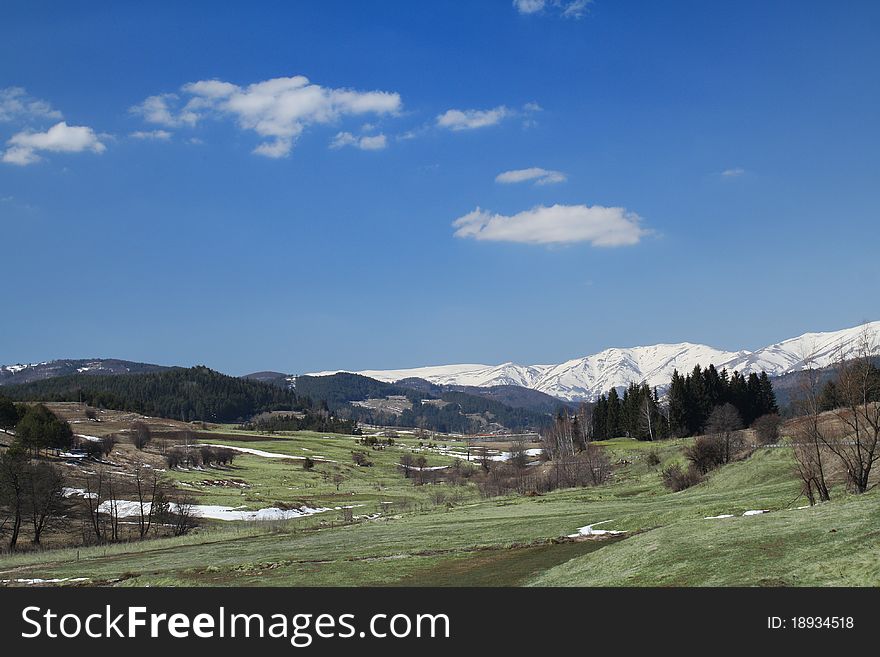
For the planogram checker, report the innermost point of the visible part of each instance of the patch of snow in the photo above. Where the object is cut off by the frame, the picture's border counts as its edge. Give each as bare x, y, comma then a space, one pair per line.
756, 512
269, 455
128, 508
44, 581
723, 515
589, 531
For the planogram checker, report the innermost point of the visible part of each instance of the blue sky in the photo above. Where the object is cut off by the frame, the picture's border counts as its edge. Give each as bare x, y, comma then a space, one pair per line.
275, 187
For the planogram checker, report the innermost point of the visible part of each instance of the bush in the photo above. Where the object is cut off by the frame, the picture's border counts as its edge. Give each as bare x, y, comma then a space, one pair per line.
706, 454
767, 429
308, 463
653, 458
360, 459
676, 478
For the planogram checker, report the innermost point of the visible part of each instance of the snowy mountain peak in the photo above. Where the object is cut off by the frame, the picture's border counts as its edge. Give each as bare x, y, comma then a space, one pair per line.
588, 377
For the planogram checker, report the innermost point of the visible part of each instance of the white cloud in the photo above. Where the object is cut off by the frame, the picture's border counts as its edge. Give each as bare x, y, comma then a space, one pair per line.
529, 6
278, 110
557, 224
565, 8
537, 174
470, 119
158, 109
365, 143
60, 138
16, 104
159, 135
733, 173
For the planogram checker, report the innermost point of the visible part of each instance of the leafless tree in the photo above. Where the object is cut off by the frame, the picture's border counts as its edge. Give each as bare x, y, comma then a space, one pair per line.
518, 456
406, 461
13, 490
646, 415
725, 423
45, 496
140, 434
183, 514
808, 433
767, 429
559, 438
147, 488
107, 444
94, 486
857, 445
597, 463
338, 479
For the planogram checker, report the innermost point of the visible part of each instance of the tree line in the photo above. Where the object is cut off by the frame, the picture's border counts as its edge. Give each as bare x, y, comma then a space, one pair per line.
685, 411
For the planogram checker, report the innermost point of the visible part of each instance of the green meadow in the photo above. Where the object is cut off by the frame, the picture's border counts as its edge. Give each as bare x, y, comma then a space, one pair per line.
669, 539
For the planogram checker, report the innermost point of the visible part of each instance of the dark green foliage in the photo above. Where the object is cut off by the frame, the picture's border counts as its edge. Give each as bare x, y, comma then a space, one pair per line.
9, 414
197, 393
829, 399
692, 398
321, 421
40, 429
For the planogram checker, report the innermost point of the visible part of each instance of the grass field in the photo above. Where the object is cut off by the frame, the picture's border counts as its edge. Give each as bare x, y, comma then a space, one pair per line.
500, 541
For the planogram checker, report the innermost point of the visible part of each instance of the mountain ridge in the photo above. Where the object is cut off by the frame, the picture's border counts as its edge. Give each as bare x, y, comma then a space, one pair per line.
584, 379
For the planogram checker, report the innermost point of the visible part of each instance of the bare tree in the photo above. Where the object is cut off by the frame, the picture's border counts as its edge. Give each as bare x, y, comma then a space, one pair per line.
141, 434
147, 489
559, 439
94, 486
45, 496
725, 423
857, 445
406, 462
183, 514
808, 433
518, 455
597, 463
12, 489
646, 415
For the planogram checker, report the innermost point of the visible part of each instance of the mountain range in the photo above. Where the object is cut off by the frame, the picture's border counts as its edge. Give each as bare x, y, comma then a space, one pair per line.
579, 379
588, 377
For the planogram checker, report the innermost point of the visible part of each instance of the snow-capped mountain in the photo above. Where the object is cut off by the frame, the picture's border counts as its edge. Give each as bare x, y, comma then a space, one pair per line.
586, 378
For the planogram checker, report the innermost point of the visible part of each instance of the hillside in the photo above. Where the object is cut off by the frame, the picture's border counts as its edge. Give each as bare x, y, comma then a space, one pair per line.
510, 395
376, 402
196, 393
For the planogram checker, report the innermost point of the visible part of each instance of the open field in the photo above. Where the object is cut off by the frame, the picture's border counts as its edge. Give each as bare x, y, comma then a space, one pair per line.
419, 539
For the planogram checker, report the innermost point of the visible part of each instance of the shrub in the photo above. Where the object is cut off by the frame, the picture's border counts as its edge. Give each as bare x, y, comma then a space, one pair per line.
706, 454
360, 459
676, 478
308, 463
653, 458
767, 429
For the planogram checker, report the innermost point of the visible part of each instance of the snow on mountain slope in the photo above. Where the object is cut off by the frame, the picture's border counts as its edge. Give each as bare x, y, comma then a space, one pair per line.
822, 349
586, 378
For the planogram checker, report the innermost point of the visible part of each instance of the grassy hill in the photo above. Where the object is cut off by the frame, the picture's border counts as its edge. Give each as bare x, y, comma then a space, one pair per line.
669, 539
